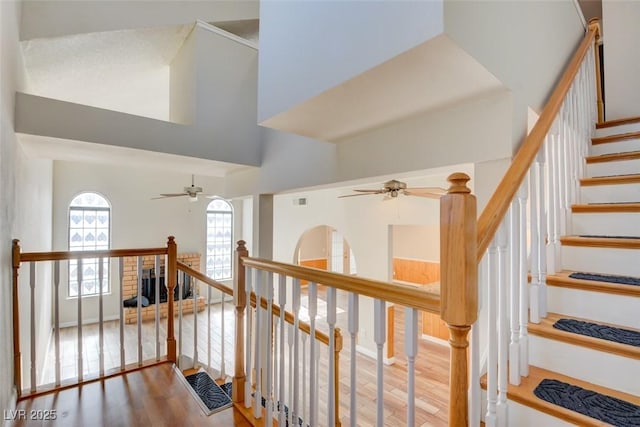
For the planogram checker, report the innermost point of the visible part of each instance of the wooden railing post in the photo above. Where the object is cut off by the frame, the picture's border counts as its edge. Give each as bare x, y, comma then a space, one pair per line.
171, 277
594, 25
240, 301
458, 286
17, 357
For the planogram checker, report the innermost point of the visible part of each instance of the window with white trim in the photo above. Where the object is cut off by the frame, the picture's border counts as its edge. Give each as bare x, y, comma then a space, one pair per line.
89, 230
219, 240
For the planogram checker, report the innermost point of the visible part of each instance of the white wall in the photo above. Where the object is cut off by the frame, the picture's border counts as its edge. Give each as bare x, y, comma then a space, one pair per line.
621, 58
473, 131
416, 242
308, 47
525, 44
56, 18
182, 90
136, 221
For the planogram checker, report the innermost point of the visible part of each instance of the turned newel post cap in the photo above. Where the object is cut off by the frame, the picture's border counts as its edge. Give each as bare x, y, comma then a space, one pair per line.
458, 182
171, 239
241, 245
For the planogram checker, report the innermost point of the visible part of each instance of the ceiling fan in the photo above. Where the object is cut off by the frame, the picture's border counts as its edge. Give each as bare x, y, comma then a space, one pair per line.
394, 187
191, 191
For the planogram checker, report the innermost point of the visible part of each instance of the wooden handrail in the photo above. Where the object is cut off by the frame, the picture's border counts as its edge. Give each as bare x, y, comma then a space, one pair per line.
406, 295
204, 278
67, 255
497, 207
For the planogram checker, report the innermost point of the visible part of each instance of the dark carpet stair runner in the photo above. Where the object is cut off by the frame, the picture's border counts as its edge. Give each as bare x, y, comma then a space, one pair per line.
590, 403
603, 332
214, 397
622, 280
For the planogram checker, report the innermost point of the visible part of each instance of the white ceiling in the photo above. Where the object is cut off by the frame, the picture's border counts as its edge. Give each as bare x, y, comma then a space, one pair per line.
430, 76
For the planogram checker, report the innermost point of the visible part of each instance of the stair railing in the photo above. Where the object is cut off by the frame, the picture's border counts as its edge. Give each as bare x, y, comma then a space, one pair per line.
301, 396
543, 178
84, 267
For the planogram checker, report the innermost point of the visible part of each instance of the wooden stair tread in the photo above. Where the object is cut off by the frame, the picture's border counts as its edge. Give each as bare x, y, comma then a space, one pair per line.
613, 157
545, 329
617, 122
615, 138
600, 242
562, 279
606, 208
523, 394
609, 180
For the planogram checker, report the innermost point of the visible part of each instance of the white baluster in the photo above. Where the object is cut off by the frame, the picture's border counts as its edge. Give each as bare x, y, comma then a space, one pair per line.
305, 390
514, 259
313, 374
503, 323
331, 320
56, 316
542, 236
411, 349
353, 334
32, 321
139, 312
180, 340
121, 280
248, 340
269, 351
157, 304
474, 375
223, 373
282, 300
552, 256
293, 398
257, 404
101, 315
492, 358
296, 352
523, 280
534, 289
379, 319
80, 367
209, 329
194, 291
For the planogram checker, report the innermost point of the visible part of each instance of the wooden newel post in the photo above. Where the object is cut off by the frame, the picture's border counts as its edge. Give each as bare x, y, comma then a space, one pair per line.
458, 286
17, 357
594, 25
172, 275
240, 301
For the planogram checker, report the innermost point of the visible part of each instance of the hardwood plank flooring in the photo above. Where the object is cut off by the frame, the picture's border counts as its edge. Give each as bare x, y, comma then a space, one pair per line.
432, 363
153, 396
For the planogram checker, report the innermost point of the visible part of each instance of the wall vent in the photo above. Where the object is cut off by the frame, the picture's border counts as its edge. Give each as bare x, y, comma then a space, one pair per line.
300, 201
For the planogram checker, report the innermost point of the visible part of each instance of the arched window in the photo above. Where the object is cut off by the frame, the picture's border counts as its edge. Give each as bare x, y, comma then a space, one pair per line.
89, 230
219, 239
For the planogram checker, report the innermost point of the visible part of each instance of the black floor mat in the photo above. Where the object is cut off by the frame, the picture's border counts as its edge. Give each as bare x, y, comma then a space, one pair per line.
213, 397
603, 332
590, 403
609, 237
623, 280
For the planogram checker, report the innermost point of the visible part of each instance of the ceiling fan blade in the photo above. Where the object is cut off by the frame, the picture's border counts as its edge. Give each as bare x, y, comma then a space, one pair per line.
437, 190
372, 191
167, 195
426, 194
354, 195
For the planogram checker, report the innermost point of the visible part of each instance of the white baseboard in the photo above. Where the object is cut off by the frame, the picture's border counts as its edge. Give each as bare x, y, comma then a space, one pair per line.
88, 321
435, 340
372, 354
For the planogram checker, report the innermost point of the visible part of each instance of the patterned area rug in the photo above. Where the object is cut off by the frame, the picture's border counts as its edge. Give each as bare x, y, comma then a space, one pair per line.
623, 280
212, 396
603, 332
590, 403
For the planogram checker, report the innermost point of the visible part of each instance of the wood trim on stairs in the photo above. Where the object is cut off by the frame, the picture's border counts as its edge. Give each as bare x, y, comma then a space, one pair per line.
615, 138
523, 394
613, 157
606, 208
600, 242
617, 122
609, 180
545, 329
562, 280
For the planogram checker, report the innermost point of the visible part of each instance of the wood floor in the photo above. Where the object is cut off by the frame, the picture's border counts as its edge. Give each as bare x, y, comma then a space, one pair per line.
432, 365
154, 396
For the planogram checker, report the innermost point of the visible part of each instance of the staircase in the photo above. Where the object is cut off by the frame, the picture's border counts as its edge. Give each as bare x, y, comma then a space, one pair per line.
605, 240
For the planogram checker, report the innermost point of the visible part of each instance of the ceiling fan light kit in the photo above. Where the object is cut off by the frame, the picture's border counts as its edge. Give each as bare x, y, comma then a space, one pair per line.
391, 189
192, 192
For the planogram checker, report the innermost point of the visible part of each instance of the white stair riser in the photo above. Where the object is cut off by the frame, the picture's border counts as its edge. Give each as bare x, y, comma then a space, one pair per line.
617, 130
610, 193
622, 167
615, 147
611, 224
621, 373
599, 307
623, 262
524, 416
